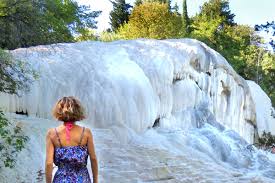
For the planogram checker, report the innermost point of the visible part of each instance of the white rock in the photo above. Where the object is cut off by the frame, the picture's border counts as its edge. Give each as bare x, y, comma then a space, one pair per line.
265, 113
126, 88
132, 83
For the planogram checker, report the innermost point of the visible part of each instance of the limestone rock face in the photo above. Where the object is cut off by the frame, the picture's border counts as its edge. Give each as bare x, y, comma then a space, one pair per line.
130, 84
265, 113
160, 110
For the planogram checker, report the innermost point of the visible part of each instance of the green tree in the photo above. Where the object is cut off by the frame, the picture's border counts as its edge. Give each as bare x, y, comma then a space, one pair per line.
12, 141
213, 18
239, 44
18, 19
34, 22
215, 26
185, 20
138, 2
168, 2
175, 9
68, 18
120, 14
151, 20
267, 140
15, 76
218, 8
269, 27
267, 71
109, 36
86, 34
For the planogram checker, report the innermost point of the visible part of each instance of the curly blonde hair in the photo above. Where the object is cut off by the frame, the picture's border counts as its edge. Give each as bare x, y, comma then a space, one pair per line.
68, 109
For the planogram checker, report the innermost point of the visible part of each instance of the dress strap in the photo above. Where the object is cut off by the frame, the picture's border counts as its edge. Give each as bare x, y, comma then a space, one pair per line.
58, 137
81, 135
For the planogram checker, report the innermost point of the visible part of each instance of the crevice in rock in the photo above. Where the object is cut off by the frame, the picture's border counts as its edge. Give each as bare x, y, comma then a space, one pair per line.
256, 135
196, 65
272, 113
176, 80
226, 95
22, 113
156, 123
208, 73
251, 122
198, 85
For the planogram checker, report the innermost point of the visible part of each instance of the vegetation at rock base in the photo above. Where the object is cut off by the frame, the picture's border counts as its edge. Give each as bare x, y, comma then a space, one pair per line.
15, 76
12, 141
267, 139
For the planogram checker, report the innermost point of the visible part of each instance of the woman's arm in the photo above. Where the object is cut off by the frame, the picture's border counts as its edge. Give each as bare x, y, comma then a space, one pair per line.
49, 157
92, 154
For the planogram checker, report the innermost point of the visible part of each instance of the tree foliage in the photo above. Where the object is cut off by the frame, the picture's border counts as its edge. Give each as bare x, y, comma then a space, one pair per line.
85, 35
120, 13
109, 36
26, 23
216, 9
12, 141
151, 20
269, 28
138, 2
215, 26
175, 9
266, 140
167, 2
214, 18
15, 75
185, 20
239, 44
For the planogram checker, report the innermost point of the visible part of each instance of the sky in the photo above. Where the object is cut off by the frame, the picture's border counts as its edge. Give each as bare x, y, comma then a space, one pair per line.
249, 12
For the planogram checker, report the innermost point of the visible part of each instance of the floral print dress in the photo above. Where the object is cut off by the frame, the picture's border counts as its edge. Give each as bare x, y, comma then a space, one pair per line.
72, 163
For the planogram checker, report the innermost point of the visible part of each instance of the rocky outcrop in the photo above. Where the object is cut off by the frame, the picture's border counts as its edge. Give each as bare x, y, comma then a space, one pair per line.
130, 84
166, 111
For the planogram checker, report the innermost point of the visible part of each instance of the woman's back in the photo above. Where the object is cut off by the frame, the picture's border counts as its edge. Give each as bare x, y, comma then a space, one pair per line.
71, 157
69, 145
77, 135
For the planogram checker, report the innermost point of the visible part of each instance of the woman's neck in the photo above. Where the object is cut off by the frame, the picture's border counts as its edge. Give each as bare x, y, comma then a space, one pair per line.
68, 122
68, 126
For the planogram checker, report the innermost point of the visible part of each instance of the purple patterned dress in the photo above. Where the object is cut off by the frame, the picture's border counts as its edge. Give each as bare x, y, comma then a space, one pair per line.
72, 163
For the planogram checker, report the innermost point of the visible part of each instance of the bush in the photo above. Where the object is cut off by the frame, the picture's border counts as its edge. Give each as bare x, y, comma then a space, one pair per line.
85, 35
11, 142
151, 20
109, 36
15, 75
267, 140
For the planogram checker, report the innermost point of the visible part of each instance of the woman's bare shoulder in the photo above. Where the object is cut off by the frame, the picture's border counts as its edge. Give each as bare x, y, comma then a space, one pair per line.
88, 131
50, 132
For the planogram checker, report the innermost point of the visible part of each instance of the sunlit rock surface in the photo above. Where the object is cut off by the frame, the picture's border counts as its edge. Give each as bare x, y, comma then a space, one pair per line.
132, 83
203, 113
207, 154
265, 112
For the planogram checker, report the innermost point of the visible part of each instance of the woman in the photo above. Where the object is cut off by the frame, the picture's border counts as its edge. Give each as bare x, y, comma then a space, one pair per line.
69, 145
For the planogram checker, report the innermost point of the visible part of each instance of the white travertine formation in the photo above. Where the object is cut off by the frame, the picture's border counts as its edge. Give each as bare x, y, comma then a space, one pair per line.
203, 109
158, 155
132, 83
264, 110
